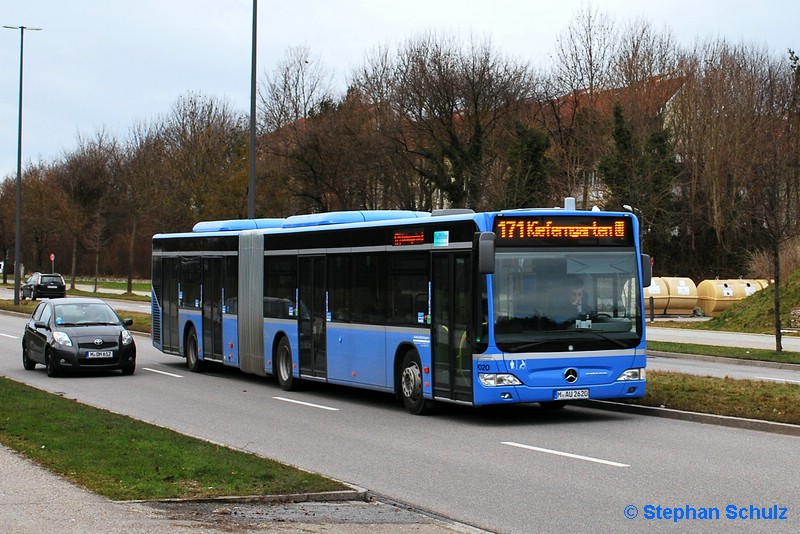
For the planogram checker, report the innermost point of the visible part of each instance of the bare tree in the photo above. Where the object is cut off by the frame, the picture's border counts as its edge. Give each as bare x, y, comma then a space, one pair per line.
8, 196
44, 200
715, 117
454, 102
294, 90
139, 185
584, 52
570, 112
83, 178
399, 183
775, 182
205, 155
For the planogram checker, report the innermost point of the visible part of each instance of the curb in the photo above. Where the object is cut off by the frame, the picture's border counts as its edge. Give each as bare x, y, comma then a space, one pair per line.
709, 419
353, 494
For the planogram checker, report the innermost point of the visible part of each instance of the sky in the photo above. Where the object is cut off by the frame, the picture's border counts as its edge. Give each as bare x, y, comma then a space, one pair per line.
106, 65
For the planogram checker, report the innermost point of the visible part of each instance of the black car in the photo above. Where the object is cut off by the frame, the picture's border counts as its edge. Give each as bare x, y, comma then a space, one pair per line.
77, 334
50, 285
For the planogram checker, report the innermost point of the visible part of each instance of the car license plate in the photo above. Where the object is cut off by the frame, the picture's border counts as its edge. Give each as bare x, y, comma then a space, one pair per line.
572, 394
99, 354
52, 287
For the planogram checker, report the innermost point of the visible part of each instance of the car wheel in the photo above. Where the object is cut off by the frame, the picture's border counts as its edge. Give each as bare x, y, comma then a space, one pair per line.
284, 366
27, 363
52, 366
411, 384
128, 369
21, 295
34, 295
193, 361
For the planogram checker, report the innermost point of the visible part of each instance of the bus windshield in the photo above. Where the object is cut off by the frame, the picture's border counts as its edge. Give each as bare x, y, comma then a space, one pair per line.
566, 299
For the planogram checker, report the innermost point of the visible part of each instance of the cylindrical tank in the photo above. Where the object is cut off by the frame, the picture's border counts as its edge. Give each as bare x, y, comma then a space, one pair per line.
682, 296
658, 290
716, 296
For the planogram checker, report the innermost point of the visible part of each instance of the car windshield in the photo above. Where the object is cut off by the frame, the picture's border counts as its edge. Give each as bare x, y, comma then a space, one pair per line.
82, 314
584, 299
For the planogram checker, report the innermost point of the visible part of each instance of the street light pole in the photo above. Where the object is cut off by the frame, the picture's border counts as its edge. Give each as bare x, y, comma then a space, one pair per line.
251, 197
18, 221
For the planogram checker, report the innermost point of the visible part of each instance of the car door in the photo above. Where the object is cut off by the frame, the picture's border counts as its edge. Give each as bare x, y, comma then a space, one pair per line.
36, 338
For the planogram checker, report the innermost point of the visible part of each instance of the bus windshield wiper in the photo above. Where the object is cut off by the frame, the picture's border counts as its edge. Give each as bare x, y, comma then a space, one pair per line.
603, 336
520, 348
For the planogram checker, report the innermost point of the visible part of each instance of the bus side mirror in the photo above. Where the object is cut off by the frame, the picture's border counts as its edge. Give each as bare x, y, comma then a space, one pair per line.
484, 244
647, 270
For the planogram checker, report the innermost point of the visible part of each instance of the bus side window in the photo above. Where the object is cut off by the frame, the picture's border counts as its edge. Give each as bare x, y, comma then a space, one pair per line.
369, 288
338, 291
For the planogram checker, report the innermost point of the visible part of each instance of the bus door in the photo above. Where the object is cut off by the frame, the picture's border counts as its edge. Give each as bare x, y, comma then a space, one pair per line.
169, 304
451, 310
312, 316
212, 309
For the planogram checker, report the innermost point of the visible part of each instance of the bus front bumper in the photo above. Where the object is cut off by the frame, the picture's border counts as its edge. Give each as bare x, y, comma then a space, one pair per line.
620, 389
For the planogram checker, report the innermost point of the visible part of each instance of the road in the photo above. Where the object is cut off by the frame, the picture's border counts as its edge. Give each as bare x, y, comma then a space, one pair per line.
513, 470
721, 339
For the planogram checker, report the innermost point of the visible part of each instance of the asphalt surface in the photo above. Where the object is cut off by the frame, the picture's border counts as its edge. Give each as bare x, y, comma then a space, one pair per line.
34, 500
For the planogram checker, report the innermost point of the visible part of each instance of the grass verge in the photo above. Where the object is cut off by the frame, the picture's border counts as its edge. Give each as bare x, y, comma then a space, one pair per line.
726, 352
122, 458
752, 399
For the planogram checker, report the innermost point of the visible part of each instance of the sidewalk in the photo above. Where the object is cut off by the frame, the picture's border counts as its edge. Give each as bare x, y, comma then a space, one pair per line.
90, 289
35, 501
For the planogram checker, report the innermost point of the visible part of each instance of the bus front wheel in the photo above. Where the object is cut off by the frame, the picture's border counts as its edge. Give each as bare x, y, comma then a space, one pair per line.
284, 366
411, 384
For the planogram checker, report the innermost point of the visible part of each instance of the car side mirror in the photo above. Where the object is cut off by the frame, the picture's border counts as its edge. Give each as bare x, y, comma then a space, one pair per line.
127, 322
41, 324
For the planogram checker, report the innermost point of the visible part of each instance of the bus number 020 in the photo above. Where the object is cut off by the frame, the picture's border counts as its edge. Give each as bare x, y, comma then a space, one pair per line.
484, 367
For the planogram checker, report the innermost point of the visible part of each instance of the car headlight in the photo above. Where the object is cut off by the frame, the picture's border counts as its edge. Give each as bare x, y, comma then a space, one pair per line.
633, 374
492, 380
127, 338
62, 339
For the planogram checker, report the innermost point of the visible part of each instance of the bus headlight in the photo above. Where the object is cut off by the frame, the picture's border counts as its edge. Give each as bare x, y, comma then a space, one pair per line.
633, 374
492, 380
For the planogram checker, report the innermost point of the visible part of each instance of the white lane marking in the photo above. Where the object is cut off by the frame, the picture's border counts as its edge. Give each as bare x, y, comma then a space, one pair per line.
307, 404
162, 372
778, 379
9, 335
567, 454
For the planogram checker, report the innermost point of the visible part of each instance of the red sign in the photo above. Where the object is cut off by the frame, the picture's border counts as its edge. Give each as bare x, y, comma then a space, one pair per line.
52, 256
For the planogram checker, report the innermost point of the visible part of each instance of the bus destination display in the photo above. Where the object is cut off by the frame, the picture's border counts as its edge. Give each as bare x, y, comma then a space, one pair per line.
413, 237
517, 231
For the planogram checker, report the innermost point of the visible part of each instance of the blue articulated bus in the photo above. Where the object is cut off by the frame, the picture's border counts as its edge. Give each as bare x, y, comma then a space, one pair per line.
519, 306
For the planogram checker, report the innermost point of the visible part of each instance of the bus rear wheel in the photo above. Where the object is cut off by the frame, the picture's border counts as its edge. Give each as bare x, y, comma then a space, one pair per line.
411, 384
193, 361
283, 370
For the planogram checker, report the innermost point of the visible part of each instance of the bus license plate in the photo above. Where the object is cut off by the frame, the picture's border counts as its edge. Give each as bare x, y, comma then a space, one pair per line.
99, 354
572, 394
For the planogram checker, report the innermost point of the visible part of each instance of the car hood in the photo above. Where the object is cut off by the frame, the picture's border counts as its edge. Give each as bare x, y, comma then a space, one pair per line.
78, 333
